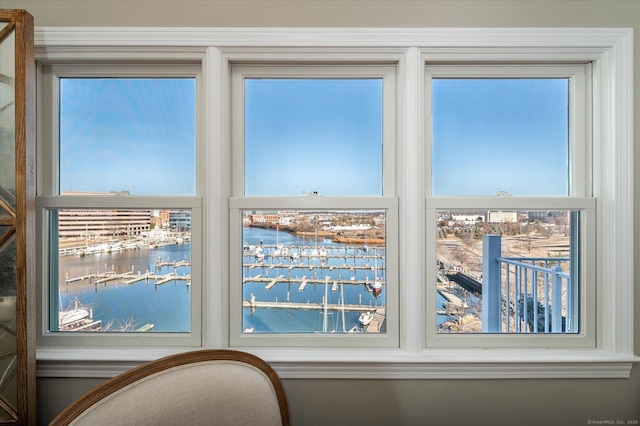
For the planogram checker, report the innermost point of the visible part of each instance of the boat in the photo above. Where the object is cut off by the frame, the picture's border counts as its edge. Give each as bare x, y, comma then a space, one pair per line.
365, 318
375, 287
145, 328
78, 318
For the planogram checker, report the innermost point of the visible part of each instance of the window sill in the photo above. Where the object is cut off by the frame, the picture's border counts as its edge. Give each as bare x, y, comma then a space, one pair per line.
367, 364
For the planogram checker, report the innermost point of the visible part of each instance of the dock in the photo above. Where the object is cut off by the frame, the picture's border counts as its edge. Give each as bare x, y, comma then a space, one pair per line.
273, 282
128, 278
175, 264
453, 305
378, 319
307, 306
294, 266
145, 328
467, 282
303, 281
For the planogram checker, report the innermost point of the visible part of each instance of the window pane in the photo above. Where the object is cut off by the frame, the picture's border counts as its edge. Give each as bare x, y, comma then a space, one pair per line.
123, 270
507, 272
313, 135
500, 136
314, 272
135, 136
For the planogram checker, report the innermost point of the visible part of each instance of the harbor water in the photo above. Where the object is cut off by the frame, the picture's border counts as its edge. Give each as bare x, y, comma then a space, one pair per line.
167, 306
306, 256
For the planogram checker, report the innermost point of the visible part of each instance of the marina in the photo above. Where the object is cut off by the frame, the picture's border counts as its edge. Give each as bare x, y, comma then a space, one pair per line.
308, 283
288, 285
128, 278
146, 289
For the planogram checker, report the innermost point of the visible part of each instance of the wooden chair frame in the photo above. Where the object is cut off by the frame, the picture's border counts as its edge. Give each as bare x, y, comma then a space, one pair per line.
116, 383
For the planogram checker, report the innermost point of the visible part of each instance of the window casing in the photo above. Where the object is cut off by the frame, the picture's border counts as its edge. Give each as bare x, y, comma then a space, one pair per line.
117, 223
579, 309
416, 355
311, 202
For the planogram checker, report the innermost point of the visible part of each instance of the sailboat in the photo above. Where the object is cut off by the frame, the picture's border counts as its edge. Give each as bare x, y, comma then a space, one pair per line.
376, 286
325, 301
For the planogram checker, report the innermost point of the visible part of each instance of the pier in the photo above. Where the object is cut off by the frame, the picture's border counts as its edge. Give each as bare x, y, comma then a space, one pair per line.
375, 326
303, 281
378, 319
466, 282
341, 262
332, 267
307, 306
128, 278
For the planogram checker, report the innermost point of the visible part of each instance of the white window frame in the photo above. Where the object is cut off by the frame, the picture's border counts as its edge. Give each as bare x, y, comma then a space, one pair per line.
239, 72
609, 50
579, 199
48, 198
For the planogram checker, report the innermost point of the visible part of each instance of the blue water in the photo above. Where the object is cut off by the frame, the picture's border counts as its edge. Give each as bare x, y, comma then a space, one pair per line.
263, 320
166, 306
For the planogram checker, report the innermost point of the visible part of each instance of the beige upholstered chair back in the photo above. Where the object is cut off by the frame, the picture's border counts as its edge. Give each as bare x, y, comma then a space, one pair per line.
208, 387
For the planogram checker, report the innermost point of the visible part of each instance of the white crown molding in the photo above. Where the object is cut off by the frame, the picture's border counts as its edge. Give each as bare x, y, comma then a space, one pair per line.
330, 37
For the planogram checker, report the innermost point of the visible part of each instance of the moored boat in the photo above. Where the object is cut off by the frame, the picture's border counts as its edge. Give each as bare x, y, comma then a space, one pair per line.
365, 318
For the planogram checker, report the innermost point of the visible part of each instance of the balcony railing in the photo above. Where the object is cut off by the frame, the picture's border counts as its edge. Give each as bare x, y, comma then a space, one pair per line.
526, 295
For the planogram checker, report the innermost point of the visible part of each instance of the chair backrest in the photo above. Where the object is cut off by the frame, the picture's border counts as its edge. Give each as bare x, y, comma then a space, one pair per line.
206, 387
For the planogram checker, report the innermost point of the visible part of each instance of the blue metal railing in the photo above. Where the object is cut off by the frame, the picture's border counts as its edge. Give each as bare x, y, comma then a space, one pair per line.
526, 295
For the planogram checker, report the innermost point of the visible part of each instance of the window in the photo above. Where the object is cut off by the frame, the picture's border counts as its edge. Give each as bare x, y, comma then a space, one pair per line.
369, 140
121, 206
313, 213
505, 136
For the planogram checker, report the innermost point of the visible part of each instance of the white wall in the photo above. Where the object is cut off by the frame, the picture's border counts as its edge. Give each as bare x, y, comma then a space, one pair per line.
391, 402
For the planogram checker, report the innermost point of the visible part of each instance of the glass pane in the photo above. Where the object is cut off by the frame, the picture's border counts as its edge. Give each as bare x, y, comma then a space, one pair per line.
132, 136
7, 123
500, 136
314, 272
124, 270
507, 272
313, 135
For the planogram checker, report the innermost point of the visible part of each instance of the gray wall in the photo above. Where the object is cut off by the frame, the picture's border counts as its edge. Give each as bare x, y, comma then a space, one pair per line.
391, 402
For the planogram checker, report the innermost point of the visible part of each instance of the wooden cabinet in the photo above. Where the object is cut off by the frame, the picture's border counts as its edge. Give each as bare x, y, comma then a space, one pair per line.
17, 232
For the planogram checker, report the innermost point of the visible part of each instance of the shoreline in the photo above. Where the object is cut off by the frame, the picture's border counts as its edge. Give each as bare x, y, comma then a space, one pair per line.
345, 238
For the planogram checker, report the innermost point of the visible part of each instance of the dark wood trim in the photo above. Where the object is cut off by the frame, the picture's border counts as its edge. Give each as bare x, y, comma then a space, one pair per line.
133, 375
20, 23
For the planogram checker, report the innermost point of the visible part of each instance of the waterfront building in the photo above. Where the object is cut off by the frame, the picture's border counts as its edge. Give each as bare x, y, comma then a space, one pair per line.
264, 218
164, 218
502, 217
547, 215
92, 224
180, 220
467, 219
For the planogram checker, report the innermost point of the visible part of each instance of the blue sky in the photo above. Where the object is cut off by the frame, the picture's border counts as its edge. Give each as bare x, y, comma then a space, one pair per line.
128, 134
304, 135
500, 135
324, 135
